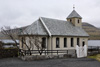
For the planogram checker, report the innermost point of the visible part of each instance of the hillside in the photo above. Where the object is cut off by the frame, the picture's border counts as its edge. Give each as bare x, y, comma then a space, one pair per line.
93, 31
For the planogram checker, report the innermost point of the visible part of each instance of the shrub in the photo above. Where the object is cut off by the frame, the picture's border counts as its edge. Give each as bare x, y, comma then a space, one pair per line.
10, 52
0, 45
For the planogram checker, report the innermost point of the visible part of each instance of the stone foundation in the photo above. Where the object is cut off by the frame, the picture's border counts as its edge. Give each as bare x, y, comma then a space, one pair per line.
44, 57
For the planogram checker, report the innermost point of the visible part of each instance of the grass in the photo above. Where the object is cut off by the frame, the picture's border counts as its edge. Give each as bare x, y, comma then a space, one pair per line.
97, 57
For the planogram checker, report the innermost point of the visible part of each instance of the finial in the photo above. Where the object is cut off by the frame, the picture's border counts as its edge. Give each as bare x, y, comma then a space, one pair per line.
73, 7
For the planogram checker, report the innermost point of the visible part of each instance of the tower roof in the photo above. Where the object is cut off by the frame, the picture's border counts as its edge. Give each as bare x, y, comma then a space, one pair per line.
74, 14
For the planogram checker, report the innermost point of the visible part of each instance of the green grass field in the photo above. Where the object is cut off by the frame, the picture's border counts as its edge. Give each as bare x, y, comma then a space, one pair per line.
97, 57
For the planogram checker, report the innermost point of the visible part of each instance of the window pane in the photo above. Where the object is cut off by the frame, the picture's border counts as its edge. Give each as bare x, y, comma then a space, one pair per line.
78, 21
65, 42
57, 42
83, 43
70, 20
71, 42
43, 42
78, 41
22, 42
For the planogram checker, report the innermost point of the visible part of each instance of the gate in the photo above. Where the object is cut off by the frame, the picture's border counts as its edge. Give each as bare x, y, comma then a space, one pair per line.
81, 51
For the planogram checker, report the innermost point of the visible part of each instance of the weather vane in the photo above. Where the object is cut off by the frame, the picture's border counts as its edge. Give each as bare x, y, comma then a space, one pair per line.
73, 7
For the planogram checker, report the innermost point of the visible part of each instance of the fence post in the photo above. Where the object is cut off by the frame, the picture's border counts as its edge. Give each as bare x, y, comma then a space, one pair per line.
67, 51
57, 52
98, 49
45, 52
25, 52
75, 53
51, 52
91, 48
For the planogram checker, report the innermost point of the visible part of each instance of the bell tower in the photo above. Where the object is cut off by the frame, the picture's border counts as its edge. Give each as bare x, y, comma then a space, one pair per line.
75, 18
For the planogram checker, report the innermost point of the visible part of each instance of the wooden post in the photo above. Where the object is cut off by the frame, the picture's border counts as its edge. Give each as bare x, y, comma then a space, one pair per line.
75, 53
25, 52
98, 49
45, 52
57, 52
91, 49
67, 51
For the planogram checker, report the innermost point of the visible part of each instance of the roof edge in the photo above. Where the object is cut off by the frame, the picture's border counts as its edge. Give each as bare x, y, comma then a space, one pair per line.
74, 17
45, 26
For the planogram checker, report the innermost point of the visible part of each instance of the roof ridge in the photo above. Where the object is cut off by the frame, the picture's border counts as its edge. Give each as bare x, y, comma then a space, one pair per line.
52, 18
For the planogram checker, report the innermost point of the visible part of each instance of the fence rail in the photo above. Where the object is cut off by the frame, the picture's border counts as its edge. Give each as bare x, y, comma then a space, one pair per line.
45, 52
93, 50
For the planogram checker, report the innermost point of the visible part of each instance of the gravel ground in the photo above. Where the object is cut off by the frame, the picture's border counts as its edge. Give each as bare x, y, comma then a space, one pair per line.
83, 62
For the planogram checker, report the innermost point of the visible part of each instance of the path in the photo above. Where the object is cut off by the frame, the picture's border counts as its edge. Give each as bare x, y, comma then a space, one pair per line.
83, 62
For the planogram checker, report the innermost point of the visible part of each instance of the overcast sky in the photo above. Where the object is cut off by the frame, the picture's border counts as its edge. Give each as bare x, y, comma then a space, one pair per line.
24, 12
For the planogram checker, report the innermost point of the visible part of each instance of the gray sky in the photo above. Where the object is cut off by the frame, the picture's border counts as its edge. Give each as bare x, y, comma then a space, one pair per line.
25, 12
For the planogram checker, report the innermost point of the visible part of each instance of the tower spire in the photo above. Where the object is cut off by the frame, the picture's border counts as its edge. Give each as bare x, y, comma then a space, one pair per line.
73, 7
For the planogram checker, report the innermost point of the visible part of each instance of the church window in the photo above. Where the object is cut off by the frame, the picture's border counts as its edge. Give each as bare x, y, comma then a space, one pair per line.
43, 42
65, 42
70, 20
78, 41
22, 41
83, 43
78, 21
57, 42
72, 42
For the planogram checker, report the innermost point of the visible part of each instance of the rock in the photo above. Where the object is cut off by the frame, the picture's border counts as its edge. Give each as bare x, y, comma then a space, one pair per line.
27, 58
44, 57
40, 57
61, 55
67, 56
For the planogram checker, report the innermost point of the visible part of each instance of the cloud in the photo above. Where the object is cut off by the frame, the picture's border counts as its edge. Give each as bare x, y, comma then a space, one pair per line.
24, 12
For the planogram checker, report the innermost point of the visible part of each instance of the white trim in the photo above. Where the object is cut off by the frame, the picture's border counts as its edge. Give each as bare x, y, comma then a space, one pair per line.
46, 42
37, 28
45, 26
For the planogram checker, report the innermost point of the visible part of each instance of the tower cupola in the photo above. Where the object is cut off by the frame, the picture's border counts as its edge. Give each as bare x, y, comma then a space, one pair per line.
75, 19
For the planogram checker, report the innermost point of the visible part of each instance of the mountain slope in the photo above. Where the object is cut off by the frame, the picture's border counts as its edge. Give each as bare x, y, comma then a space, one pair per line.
93, 31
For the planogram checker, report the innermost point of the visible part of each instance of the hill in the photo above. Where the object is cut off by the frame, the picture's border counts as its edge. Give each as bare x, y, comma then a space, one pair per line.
93, 31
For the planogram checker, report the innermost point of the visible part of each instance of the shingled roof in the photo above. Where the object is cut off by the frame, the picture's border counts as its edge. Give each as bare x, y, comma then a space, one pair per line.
48, 26
74, 14
35, 28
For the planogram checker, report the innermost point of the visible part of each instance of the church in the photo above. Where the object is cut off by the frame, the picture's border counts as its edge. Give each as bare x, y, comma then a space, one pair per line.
57, 34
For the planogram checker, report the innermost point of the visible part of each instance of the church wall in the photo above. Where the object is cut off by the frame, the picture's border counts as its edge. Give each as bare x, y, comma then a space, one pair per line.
51, 43
33, 47
61, 42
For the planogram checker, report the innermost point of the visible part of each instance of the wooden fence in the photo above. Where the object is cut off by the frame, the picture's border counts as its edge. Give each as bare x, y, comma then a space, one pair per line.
93, 50
46, 52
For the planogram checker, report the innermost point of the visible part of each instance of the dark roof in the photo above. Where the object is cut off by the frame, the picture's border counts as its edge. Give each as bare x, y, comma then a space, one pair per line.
55, 27
74, 14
